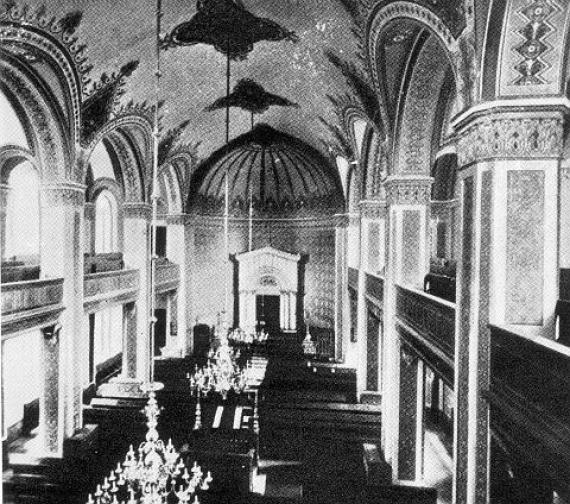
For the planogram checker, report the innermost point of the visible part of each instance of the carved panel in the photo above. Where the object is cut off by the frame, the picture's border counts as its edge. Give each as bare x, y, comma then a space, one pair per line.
511, 136
408, 191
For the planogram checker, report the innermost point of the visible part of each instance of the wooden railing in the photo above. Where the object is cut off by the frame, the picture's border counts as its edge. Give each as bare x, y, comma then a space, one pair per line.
31, 303
108, 288
529, 397
432, 318
167, 276
375, 287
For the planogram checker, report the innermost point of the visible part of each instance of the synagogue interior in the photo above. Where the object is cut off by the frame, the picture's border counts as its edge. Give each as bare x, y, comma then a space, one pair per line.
285, 252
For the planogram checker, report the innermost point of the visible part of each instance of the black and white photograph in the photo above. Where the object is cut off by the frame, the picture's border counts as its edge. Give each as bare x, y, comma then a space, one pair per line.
285, 251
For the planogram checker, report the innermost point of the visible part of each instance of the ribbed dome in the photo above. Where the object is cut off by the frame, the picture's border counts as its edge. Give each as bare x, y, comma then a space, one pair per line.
284, 176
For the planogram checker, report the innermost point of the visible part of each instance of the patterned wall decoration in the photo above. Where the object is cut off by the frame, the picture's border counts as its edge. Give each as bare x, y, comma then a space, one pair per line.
420, 110
411, 236
531, 59
525, 234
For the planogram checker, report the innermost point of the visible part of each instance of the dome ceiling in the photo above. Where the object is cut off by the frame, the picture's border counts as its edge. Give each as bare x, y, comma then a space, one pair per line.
282, 175
118, 31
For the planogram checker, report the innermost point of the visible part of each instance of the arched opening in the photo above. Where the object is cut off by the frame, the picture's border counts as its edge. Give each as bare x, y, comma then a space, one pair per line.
106, 225
100, 163
22, 234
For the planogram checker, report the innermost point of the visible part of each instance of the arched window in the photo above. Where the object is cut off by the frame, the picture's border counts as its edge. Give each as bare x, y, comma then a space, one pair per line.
106, 235
23, 214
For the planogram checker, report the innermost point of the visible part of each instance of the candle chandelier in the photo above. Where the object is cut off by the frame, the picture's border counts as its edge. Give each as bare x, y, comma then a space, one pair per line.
154, 474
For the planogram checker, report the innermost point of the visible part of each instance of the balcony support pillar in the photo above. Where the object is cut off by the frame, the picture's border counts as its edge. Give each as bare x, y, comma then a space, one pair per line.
407, 262
61, 257
507, 271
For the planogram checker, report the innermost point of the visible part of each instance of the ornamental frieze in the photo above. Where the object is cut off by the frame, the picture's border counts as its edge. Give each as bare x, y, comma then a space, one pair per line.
408, 191
372, 209
496, 137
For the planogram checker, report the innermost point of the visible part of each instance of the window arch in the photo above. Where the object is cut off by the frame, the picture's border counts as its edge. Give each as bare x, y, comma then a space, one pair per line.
23, 214
106, 225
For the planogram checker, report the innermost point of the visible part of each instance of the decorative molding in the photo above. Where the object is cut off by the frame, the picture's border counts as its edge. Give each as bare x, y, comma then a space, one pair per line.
511, 135
65, 194
52, 37
133, 210
408, 190
372, 209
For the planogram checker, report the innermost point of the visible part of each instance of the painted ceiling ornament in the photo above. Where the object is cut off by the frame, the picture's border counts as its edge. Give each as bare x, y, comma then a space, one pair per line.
101, 102
228, 26
168, 141
249, 95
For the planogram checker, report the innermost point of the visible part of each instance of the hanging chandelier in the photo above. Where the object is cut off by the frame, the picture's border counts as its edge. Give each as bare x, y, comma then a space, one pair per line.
154, 474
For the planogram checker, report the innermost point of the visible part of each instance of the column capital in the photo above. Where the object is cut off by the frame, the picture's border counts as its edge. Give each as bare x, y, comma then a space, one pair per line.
63, 194
408, 190
372, 209
137, 210
510, 133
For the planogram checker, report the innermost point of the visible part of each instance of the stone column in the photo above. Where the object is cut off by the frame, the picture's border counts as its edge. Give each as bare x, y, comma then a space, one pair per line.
284, 320
508, 189
293, 311
176, 251
4, 191
407, 262
136, 254
89, 227
341, 301
61, 256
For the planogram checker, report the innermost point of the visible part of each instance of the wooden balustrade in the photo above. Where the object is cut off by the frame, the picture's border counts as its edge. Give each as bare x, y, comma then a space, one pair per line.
433, 319
167, 276
28, 304
109, 288
529, 398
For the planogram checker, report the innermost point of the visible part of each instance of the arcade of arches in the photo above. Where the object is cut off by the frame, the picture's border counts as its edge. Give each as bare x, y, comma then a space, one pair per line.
411, 215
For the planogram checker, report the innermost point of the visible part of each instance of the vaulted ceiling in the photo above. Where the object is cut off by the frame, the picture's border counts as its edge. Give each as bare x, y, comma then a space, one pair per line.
118, 31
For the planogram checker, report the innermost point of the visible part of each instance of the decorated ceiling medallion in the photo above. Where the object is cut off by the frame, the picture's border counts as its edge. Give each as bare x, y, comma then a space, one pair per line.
229, 27
534, 47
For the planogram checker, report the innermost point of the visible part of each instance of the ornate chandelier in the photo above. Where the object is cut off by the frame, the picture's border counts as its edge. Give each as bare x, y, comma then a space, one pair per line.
154, 474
